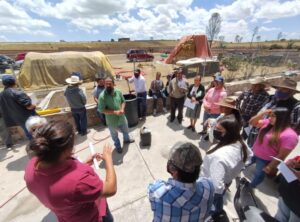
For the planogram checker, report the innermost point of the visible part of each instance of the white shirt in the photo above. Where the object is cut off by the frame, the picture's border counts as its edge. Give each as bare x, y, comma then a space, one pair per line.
223, 165
139, 84
194, 90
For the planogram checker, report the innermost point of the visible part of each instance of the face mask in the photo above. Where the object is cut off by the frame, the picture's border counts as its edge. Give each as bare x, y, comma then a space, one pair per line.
136, 75
281, 95
218, 135
109, 90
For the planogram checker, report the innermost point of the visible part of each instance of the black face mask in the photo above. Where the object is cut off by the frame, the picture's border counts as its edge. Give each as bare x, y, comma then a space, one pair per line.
109, 90
218, 135
136, 75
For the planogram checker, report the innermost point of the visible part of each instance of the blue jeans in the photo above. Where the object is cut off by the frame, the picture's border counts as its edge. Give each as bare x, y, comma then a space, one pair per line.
142, 104
217, 204
108, 216
101, 117
284, 214
114, 134
259, 174
206, 116
80, 119
155, 96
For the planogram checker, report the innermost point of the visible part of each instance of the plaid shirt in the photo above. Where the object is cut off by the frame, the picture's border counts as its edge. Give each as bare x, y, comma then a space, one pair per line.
175, 201
295, 118
250, 103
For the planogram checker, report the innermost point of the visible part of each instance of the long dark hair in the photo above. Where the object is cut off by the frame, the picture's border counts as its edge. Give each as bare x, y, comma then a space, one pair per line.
237, 116
232, 135
282, 122
51, 140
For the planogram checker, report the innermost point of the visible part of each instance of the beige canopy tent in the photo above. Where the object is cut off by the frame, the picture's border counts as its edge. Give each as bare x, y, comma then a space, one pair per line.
46, 70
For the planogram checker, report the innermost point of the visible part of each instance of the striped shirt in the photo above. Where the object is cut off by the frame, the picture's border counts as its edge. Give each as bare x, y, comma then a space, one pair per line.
175, 201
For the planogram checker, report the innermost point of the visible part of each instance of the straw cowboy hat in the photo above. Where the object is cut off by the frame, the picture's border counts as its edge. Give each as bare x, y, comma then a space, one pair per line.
228, 102
258, 80
73, 80
287, 84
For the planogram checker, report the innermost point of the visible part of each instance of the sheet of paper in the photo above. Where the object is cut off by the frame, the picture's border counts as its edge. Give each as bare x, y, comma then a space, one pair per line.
96, 165
247, 130
286, 172
188, 103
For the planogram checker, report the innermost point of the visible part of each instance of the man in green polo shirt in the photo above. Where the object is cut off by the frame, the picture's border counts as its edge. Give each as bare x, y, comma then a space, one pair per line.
112, 104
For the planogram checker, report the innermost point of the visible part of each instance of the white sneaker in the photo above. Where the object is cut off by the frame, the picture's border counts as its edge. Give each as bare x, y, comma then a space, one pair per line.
154, 112
165, 110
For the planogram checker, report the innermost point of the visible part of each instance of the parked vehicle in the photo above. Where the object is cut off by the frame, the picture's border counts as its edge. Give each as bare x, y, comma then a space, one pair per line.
18, 64
20, 56
5, 63
138, 55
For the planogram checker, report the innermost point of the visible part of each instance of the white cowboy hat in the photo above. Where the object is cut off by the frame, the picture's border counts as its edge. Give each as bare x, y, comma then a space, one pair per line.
258, 80
73, 80
287, 84
227, 102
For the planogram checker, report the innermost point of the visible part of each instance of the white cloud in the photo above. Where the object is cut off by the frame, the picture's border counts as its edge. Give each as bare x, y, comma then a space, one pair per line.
16, 20
146, 14
70, 9
275, 9
231, 29
292, 35
88, 24
142, 19
3, 38
268, 29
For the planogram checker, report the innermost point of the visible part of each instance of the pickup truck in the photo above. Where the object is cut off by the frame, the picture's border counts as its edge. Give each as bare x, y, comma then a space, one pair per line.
138, 55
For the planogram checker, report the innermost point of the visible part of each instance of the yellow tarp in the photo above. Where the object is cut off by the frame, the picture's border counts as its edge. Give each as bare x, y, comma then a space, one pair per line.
46, 70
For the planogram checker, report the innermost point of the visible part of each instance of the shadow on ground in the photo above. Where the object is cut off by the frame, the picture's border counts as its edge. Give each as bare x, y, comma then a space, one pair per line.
18, 165
117, 157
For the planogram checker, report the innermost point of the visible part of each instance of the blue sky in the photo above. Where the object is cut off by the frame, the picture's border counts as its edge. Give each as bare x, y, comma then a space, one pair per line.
92, 20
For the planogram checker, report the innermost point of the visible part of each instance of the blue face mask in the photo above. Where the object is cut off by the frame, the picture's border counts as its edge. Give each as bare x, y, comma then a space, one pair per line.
281, 95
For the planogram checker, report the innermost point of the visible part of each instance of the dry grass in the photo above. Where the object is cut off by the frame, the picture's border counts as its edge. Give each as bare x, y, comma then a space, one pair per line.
121, 46
255, 44
58, 46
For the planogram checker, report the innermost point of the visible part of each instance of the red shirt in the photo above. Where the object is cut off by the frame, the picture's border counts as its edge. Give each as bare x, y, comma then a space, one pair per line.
71, 190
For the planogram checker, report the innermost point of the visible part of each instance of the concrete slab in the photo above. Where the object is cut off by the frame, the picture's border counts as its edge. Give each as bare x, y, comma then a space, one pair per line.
135, 168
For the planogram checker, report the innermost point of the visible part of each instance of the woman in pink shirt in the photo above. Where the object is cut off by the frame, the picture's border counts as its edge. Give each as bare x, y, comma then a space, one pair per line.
275, 139
70, 189
211, 98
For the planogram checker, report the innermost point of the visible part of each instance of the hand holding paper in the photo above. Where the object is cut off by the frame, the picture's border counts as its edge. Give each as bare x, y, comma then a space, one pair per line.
286, 172
91, 146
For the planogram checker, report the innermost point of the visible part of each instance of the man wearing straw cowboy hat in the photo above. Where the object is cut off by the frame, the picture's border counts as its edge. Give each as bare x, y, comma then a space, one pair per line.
284, 95
77, 101
252, 100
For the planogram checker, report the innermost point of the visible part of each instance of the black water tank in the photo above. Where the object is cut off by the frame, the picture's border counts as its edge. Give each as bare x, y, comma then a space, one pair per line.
131, 110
